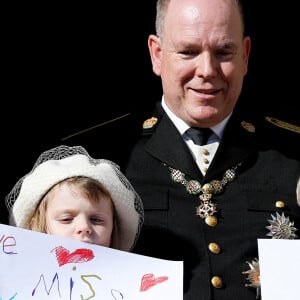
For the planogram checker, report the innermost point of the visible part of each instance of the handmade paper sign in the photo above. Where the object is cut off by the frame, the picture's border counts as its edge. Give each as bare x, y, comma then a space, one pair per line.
39, 266
279, 261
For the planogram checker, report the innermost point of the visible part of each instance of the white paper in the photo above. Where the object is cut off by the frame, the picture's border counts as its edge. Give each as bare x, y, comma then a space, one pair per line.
279, 262
39, 266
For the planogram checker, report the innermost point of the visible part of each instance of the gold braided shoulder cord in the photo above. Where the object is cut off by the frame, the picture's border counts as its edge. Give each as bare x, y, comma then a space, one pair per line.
283, 124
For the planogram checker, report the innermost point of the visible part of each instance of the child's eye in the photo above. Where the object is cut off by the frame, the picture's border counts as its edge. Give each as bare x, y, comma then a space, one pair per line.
97, 220
65, 219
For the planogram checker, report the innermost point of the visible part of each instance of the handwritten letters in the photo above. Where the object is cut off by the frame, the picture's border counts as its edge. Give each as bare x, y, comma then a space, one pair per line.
38, 266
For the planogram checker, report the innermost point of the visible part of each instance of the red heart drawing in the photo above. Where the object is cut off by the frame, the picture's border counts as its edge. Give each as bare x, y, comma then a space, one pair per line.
64, 256
149, 280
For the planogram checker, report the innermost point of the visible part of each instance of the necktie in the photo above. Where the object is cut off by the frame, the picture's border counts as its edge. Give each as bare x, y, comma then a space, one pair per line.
199, 135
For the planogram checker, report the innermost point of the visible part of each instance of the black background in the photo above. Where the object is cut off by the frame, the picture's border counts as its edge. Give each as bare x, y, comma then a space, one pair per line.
71, 67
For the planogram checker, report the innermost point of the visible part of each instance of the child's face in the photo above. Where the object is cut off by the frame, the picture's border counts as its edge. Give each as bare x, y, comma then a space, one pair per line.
70, 214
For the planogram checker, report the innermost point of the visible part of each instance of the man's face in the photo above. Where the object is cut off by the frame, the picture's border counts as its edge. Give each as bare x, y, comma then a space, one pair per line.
202, 59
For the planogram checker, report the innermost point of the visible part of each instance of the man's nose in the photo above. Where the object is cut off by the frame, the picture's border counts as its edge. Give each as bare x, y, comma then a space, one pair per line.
206, 65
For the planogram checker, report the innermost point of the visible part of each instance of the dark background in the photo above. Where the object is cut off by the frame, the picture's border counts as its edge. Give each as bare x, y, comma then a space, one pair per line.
69, 68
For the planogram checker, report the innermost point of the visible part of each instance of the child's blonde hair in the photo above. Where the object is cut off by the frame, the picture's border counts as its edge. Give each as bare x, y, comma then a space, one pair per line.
89, 187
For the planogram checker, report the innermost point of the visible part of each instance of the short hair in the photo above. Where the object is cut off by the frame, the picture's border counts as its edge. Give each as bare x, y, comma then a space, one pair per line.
161, 10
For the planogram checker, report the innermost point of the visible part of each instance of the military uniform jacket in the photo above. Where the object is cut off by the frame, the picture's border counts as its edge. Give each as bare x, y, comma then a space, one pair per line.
172, 230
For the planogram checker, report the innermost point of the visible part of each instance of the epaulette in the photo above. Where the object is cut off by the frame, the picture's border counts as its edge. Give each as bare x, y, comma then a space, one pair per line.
281, 135
282, 124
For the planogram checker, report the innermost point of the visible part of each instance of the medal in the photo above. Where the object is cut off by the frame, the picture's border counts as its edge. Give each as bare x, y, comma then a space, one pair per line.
281, 228
206, 209
253, 276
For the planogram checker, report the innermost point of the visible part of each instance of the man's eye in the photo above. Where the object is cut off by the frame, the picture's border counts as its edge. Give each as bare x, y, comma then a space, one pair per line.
224, 53
189, 53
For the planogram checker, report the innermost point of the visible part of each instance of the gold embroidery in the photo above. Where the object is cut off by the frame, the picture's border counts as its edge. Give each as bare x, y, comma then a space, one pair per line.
283, 124
149, 123
248, 126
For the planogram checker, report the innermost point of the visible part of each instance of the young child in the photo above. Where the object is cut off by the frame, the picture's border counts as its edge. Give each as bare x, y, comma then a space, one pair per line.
72, 195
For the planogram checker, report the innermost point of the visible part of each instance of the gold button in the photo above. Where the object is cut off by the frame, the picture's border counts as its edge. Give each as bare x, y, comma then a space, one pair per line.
205, 170
205, 151
214, 248
280, 204
211, 221
205, 160
217, 282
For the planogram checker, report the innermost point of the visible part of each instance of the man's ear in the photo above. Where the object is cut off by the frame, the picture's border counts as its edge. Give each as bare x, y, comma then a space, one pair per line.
154, 46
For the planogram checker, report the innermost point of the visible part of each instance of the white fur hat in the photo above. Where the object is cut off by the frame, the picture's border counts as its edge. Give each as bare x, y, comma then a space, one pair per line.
63, 162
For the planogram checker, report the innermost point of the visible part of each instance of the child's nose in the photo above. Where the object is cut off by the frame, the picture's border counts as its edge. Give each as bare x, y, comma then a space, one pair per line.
84, 227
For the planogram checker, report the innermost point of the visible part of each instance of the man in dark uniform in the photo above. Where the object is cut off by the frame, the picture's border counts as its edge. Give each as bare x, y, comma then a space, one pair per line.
209, 194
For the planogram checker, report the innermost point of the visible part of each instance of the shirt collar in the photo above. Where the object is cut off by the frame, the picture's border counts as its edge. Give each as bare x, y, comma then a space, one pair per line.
181, 126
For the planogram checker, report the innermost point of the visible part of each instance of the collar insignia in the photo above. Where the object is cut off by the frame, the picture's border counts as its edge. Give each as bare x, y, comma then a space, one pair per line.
248, 126
149, 123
